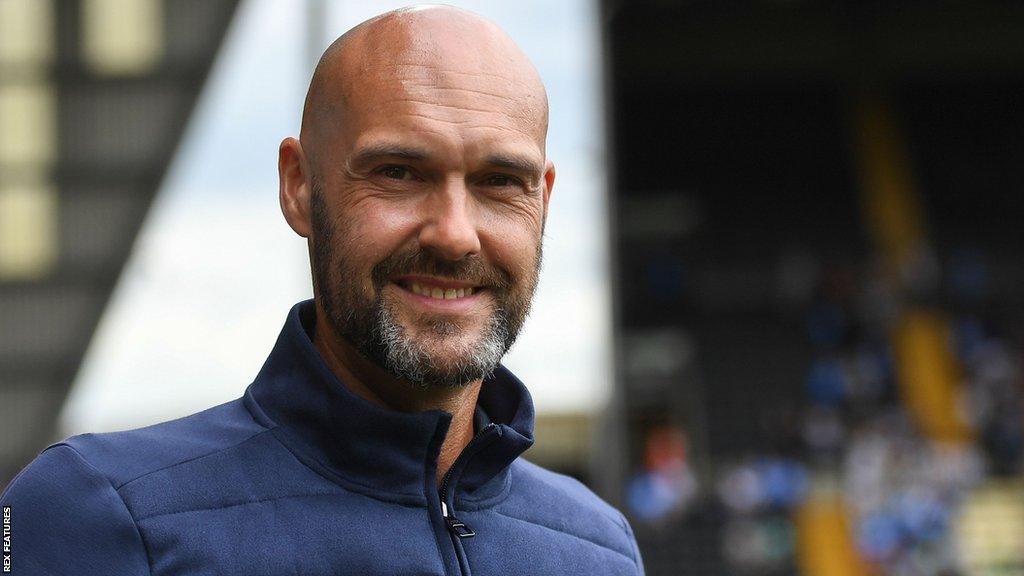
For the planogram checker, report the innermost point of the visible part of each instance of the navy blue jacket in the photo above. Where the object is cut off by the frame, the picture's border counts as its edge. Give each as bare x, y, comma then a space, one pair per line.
300, 476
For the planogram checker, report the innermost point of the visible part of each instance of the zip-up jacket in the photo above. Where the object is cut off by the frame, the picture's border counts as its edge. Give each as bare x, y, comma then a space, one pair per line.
300, 476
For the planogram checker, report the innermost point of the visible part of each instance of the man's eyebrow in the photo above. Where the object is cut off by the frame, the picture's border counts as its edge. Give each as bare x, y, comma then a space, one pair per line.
387, 150
516, 162
383, 151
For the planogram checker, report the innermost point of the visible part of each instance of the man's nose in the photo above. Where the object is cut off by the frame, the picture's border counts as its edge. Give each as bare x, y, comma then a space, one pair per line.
450, 230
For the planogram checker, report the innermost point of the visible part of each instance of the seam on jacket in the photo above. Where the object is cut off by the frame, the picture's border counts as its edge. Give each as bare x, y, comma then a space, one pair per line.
256, 412
246, 503
135, 524
632, 541
192, 459
577, 536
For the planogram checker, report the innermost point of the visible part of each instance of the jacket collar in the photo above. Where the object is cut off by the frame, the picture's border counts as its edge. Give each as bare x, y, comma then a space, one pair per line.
373, 449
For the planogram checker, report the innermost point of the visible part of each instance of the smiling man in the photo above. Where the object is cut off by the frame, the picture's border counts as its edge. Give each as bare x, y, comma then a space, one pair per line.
382, 436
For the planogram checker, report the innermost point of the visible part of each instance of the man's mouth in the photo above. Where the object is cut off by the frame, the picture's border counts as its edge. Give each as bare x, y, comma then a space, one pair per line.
438, 289
439, 293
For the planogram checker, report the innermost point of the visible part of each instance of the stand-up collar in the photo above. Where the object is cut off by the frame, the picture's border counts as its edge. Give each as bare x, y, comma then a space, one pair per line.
382, 451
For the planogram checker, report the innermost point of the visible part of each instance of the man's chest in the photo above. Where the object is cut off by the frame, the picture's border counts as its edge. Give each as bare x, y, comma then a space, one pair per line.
332, 534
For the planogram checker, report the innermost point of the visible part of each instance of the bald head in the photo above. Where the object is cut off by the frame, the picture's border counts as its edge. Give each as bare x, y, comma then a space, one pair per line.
436, 54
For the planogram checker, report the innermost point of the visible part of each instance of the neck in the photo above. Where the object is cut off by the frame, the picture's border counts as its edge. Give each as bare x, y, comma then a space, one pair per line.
369, 381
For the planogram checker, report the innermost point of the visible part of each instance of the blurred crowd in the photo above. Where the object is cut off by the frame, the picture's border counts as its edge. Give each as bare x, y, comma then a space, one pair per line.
904, 491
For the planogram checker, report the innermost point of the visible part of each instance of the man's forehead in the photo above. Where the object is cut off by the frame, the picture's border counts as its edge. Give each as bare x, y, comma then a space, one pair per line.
398, 85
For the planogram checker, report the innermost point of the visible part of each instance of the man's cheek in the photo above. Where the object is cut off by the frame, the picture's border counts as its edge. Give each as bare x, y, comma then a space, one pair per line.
522, 263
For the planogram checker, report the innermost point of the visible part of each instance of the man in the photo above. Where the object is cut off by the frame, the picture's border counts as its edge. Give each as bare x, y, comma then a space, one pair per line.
381, 436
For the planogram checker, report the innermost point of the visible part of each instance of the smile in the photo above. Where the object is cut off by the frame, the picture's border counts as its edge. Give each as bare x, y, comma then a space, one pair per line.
439, 293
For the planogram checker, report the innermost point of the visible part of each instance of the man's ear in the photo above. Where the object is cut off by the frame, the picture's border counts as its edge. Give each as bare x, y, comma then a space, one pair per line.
549, 183
296, 186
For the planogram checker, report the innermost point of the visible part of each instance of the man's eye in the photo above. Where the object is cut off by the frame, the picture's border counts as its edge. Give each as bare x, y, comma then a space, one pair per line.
396, 172
501, 180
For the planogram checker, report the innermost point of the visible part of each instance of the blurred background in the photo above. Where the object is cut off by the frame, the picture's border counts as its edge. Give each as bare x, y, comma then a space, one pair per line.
781, 317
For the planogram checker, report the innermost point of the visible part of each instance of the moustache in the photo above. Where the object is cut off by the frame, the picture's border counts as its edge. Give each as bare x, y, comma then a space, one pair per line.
471, 269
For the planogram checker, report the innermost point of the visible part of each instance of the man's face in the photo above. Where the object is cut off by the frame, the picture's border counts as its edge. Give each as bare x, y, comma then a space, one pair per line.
428, 207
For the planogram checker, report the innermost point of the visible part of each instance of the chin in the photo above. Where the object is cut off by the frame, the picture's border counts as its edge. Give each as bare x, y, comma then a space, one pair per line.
448, 355
442, 330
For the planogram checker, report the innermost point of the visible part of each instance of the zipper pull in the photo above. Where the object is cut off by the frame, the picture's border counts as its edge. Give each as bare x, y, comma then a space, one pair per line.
457, 527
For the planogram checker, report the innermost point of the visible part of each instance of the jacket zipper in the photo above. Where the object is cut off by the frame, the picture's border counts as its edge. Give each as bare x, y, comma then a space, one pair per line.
456, 527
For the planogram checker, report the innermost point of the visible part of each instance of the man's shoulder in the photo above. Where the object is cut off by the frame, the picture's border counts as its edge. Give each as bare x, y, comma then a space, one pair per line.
547, 484
130, 454
76, 507
553, 501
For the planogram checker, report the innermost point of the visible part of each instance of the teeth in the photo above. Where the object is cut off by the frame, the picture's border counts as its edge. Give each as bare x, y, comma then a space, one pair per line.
440, 293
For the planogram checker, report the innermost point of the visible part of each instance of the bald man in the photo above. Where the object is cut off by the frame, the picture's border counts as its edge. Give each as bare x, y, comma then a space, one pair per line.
382, 435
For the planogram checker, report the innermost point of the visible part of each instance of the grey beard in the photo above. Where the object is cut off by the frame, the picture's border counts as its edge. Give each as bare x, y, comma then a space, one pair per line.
369, 324
405, 358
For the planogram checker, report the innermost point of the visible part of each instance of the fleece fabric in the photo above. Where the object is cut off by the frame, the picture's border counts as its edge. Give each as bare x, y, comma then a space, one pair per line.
300, 476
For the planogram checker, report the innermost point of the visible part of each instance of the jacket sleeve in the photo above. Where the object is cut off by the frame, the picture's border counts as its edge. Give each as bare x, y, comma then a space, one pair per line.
66, 518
